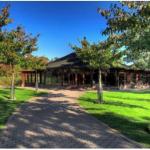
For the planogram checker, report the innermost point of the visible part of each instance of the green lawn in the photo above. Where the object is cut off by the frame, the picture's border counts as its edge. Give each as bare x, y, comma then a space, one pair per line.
128, 112
8, 106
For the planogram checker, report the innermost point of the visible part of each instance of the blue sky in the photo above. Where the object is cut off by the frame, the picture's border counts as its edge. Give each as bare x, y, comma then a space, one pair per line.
59, 23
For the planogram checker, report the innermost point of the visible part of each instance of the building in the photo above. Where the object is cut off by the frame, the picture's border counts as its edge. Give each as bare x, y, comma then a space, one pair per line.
70, 71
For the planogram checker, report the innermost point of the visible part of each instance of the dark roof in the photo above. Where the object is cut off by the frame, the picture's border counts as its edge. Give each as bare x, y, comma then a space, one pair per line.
67, 61
72, 61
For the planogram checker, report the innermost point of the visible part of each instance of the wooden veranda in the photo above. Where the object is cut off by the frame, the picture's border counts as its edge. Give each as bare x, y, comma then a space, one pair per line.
70, 71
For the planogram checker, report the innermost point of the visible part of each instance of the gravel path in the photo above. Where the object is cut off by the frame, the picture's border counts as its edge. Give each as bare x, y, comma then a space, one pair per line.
57, 121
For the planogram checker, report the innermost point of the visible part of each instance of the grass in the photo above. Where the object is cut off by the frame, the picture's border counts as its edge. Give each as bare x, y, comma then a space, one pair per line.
128, 112
7, 107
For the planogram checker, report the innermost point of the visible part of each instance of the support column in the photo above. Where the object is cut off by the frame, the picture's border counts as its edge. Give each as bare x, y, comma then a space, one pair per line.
125, 80
62, 78
44, 78
57, 82
31, 77
40, 74
83, 78
76, 79
23, 79
35, 77
117, 79
137, 77
128, 79
72, 79
68, 78
27, 78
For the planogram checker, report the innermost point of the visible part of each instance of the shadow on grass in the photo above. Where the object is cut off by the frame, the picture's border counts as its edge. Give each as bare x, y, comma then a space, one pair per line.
128, 126
146, 91
5, 93
132, 129
123, 104
128, 98
147, 118
113, 103
8, 106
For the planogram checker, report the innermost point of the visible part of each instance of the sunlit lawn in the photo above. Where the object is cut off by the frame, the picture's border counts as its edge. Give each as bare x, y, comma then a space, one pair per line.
8, 106
129, 112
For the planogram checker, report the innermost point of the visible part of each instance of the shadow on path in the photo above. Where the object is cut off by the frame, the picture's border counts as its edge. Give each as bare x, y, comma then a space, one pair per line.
56, 122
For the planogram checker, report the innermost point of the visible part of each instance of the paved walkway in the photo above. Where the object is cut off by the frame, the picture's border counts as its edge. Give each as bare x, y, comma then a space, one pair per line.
57, 121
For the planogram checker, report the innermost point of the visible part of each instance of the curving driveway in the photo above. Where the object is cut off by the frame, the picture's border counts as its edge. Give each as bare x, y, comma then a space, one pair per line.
56, 121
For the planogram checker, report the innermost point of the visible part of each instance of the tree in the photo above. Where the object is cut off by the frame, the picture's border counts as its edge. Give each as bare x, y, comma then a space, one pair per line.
143, 61
4, 17
97, 56
35, 63
128, 26
14, 46
4, 20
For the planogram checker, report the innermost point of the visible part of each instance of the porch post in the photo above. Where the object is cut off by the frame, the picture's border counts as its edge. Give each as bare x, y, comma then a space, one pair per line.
128, 79
23, 79
62, 78
125, 80
40, 77
34, 77
117, 79
137, 77
45, 78
69, 78
31, 77
76, 79
27, 77
83, 78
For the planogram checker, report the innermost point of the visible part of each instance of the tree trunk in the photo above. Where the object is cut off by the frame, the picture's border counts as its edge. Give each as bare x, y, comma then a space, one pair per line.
100, 88
36, 81
12, 94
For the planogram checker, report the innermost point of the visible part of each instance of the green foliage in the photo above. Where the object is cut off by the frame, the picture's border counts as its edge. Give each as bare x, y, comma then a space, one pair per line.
4, 20
126, 111
97, 55
15, 45
35, 63
4, 17
128, 25
143, 61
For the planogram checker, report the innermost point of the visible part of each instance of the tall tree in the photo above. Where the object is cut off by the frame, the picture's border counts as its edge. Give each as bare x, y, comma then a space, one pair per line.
97, 56
128, 26
4, 20
14, 46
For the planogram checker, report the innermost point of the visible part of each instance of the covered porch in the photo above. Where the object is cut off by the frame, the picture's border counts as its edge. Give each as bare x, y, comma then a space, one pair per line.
28, 77
70, 71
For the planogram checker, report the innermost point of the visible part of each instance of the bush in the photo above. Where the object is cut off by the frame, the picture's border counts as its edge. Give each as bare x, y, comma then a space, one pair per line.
6, 81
